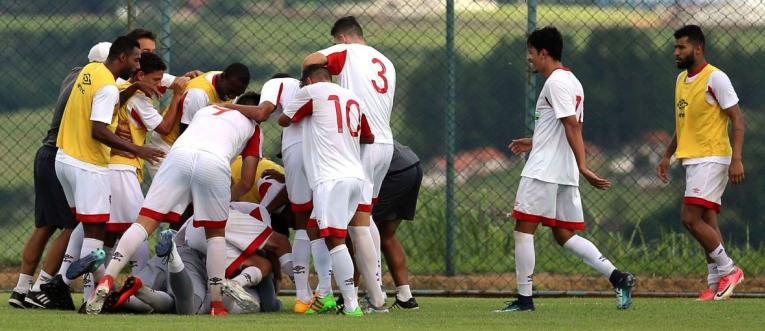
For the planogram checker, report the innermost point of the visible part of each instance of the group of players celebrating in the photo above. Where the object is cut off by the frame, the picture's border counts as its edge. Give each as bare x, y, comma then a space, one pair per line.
230, 209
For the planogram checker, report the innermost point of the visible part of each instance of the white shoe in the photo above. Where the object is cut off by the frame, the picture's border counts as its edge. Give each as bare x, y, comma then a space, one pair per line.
243, 299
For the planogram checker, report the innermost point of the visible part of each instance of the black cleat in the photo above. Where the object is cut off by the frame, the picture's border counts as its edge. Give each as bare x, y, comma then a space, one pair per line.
59, 293
408, 304
38, 300
522, 304
17, 300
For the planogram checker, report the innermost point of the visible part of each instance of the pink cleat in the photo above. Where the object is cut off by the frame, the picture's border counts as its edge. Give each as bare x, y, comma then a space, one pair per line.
706, 295
728, 284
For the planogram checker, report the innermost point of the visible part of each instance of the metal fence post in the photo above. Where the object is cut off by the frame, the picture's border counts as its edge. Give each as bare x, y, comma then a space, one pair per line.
531, 78
130, 14
450, 110
166, 9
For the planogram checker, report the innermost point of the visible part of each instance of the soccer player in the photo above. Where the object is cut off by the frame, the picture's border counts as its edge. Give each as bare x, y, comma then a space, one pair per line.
332, 119
398, 201
548, 192
705, 103
371, 76
85, 138
51, 208
147, 41
197, 169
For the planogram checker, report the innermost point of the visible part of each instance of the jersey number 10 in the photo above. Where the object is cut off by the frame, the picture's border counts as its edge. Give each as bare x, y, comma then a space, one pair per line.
339, 112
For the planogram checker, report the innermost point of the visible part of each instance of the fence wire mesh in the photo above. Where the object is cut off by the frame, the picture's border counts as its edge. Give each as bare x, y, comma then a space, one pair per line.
621, 51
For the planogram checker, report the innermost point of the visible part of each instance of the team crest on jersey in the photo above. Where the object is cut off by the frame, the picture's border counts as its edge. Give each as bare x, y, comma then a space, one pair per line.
681, 105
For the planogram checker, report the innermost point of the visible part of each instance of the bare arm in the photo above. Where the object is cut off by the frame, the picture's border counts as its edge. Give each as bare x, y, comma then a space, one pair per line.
736, 169
315, 58
661, 169
574, 136
101, 133
259, 113
148, 89
171, 116
247, 180
284, 121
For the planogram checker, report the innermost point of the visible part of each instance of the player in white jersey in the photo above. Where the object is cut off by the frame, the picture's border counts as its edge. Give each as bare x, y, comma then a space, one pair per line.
196, 169
275, 95
332, 128
372, 77
548, 192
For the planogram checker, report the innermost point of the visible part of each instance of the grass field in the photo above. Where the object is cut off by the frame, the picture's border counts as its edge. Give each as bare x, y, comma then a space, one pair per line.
441, 313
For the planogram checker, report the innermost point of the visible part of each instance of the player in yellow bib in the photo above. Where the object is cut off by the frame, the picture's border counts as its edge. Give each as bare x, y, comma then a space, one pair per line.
705, 105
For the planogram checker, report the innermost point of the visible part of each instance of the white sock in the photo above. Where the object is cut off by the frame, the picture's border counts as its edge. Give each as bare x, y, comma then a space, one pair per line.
587, 251
322, 263
403, 293
343, 269
285, 263
376, 241
301, 259
73, 249
366, 261
525, 259
216, 266
724, 263
87, 286
42, 278
250, 276
24, 283
175, 264
140, 258
133, 237
713, 276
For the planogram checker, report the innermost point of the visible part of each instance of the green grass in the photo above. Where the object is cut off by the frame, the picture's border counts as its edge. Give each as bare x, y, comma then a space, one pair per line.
441, 313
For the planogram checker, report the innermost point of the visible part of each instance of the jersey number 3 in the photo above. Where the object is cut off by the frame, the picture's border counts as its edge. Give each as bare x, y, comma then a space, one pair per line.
339, 113
384, 88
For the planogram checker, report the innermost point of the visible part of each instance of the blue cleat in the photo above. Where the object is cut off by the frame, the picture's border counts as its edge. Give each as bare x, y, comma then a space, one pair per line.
165, 244
624, 291
86, 264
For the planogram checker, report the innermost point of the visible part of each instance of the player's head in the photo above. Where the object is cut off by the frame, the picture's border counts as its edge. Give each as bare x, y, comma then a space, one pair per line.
233, 81
689, 46
125, 55
347, 30
315, 73
146, 39
249, 98
545, 48
99, 52
152, 68
281, 75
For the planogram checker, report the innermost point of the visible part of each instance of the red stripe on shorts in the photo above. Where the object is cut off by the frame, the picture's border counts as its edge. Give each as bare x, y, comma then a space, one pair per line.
155, 215
701, 202
364, 208
92, 218
333, 232
209, 224
546, 221
312, 223
117, 227
301, 207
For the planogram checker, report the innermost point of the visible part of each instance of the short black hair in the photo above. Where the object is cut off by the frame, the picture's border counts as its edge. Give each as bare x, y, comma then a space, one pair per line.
151, 62
249, 98
548, 38
694, 34
121, 45
141, 34
313, 70
347, 25
281, 75
238, 72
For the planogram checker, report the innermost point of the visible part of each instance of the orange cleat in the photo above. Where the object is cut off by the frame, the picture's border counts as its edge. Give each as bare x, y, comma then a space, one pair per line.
728, 283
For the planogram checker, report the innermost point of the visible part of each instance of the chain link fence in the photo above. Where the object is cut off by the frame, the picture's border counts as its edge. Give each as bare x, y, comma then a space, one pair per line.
463, 93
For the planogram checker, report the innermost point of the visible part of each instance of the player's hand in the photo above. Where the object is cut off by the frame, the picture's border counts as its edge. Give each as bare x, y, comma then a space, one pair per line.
123, 130
150, 90
122, 153
179, 84
151, 155
273, 174
193, 74
594, 180
736, 172
661, 170
519, 146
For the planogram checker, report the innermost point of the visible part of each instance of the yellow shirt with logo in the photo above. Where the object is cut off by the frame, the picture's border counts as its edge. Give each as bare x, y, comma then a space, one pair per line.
75, 133
236, 175
199, 82
701, 127
137, 134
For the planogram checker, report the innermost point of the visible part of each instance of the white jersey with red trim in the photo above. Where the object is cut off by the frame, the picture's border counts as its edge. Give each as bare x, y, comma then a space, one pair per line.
372, 77
332, 116
552, 159
142, 112
222, 132
280, 92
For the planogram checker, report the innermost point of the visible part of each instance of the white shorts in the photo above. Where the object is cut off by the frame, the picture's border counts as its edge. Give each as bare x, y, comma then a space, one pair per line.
87, 192
553, 205
156, 142
268, 188
705, 184
189, 175
375, 159
335, 202
298, 189
127, 197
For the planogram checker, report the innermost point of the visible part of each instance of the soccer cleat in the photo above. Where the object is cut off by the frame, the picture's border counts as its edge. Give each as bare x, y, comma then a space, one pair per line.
59, 293
241, 297
321, 305
218, 309
368, 308
301, 307
165, 244
96, 301
623, 290
38, 299
516, 305
17, 300
408, 304
355, 313
129, 288
89, 263
339, 304
707, 294
728, 283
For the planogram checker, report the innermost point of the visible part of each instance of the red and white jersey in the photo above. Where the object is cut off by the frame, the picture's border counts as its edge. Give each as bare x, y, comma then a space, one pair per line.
331, 131
142, 112
372, 77
280, 92
222, 132
552, 159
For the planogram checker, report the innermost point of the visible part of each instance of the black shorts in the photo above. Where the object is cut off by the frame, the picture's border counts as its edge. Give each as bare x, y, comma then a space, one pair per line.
282, 222
51, 208
398, 195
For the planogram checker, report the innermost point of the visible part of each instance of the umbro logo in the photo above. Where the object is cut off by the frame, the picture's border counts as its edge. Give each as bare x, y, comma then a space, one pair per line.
298, 269
349, 281
248, 278
68, 258
117, 256
215, 281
